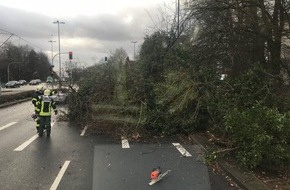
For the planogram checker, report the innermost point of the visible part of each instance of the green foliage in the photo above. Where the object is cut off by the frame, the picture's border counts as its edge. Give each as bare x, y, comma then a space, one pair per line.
180, 108
177, 81
177, 98
96, 86
118, 60
262, 135
134, 83
211, 156
151, 62
240, 93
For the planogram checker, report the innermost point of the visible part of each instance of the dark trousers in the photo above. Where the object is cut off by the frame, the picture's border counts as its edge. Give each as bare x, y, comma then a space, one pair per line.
37, 123
45, 124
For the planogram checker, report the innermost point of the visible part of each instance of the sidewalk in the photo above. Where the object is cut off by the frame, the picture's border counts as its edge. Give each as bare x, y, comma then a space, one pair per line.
245, 179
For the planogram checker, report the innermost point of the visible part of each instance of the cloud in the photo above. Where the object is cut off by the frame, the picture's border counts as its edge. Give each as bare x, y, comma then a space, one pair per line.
103, 27
25, 24
87, 36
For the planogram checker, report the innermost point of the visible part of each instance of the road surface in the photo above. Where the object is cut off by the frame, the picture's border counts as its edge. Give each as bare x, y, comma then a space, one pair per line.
72, 159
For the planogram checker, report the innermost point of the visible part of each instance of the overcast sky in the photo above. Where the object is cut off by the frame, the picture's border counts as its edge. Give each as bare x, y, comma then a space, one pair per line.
92, 29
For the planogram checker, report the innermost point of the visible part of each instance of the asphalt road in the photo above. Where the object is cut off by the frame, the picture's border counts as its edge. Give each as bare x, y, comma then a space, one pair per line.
72, 159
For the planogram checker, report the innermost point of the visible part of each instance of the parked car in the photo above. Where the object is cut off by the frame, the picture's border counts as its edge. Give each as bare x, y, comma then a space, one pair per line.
35, 82
22, 82
12, 84
38, 80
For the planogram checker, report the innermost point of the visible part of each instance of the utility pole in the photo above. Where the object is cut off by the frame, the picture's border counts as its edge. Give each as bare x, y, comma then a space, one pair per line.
134, 42
58, 23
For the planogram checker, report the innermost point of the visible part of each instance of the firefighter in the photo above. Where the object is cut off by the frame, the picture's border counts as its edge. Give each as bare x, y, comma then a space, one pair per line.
45, 106
35, 101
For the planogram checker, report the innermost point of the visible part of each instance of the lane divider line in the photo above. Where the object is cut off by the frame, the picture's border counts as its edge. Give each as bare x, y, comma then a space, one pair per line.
8, 125
125, 143
181, 150
26, 143
59, 176
84, 131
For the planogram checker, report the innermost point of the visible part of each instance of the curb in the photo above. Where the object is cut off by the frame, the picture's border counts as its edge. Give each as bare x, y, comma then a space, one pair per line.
14, 102
245, 179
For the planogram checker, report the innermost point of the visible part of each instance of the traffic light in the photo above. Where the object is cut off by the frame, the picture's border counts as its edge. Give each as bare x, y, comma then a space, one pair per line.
106, 59
70, 54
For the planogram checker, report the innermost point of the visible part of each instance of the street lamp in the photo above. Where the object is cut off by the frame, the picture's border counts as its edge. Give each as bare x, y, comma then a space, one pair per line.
51, 41
134, 42
58, 22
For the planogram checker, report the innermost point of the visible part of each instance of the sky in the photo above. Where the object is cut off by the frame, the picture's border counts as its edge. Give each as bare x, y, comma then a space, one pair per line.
92, 29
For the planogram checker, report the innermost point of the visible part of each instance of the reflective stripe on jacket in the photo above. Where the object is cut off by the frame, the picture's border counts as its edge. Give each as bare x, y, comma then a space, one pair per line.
36, 99
45, 105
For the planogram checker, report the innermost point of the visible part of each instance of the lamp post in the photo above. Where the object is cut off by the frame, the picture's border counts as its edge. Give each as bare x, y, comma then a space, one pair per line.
57, 55
58, 23
51, 41
134, 42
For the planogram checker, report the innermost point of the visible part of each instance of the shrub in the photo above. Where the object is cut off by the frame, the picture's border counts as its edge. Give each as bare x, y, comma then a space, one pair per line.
262, 135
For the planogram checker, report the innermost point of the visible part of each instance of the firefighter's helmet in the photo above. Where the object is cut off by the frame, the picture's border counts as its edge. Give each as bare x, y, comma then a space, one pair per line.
39, 88
47, 92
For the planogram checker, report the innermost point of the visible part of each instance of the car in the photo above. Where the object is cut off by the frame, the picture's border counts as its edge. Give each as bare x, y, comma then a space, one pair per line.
35, 82
12, 84
38, 80
22, 82
60, 96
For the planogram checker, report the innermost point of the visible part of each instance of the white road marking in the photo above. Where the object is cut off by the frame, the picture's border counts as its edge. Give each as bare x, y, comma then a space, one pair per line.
26, 143
181, 150
84, 131
59, 176
125, 143
8, 125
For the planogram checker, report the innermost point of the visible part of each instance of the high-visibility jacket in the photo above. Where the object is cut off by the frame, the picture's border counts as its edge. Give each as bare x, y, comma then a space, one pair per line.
36, 99
45, 105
